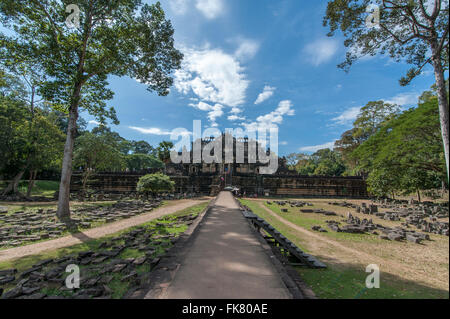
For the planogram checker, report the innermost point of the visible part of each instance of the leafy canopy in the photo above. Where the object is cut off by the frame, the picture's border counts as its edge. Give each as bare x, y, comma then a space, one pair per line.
406, 31
406, 153
115, 37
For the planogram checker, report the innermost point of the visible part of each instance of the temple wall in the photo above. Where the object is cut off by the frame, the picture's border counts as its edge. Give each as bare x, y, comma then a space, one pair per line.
211, 184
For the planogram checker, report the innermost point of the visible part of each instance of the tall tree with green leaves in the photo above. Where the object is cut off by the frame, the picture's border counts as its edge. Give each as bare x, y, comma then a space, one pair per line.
414, 31
163, 150
372, 116
406, 153
138, 162
111, 37
95, 153
370, 119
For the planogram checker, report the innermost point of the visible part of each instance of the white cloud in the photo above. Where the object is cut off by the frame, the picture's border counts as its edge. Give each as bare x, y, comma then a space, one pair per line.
215, 113
283, 143
348, 116
179, 7
247, 49
321, 51
202, 106
94, 122
210, 8
404, 99
272, 119
265, 94
236, 118
236, 110
315, 148
213, 76
154, 131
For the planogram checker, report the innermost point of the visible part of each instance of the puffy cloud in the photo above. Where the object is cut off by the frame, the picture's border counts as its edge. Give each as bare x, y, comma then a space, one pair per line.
315, 148
154, 131
93, 122
213, 76
210, 8
202, 106
272, 119
321, 50
179, 7
348, 116
236, 118
247, 49
404, 99
215, 113
236, 110
265, 94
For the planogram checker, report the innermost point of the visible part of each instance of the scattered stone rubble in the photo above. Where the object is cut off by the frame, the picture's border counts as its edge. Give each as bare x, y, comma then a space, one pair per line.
29, 226
357, 226
424, 216
319, 211
291, 203
98, 268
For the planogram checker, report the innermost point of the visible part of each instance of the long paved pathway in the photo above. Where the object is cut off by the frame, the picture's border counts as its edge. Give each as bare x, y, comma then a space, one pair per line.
226, 260
98, 232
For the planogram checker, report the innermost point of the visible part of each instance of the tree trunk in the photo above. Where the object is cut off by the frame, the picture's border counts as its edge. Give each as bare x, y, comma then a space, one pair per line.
418, 196
31, 182
13, 186
442, 100
63, 212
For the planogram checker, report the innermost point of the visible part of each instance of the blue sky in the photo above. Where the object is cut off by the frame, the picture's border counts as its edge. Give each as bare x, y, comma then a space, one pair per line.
260, 62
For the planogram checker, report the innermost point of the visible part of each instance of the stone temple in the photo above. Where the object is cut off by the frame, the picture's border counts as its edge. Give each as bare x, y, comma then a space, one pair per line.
208, 178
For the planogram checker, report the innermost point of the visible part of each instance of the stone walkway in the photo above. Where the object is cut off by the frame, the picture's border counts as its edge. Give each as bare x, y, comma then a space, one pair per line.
98, 232
226, 260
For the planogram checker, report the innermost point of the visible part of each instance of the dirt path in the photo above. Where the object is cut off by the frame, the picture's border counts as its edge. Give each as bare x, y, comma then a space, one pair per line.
363, 257
226, 260
98, 232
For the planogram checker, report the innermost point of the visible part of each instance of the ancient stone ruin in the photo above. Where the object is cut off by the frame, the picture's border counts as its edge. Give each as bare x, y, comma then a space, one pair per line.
20, 227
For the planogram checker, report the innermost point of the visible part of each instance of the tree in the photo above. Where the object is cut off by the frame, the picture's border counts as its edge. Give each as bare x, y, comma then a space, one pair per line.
155, 184
30, 139
292, 160
46, 150
323, 162
406, 153
142, 147
345, 147
96, 153
163, 150
139, 162
370, 119
406, 30
114, 37
373, 116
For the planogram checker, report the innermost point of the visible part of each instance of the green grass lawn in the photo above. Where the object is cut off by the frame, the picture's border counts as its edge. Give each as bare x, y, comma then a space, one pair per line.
344, 281
41, 188
307, 220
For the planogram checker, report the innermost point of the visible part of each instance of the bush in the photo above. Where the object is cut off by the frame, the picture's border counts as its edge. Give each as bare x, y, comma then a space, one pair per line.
155, 184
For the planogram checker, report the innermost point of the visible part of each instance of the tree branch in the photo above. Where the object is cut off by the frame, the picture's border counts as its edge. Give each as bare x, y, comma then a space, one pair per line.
441, 43
396, 37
